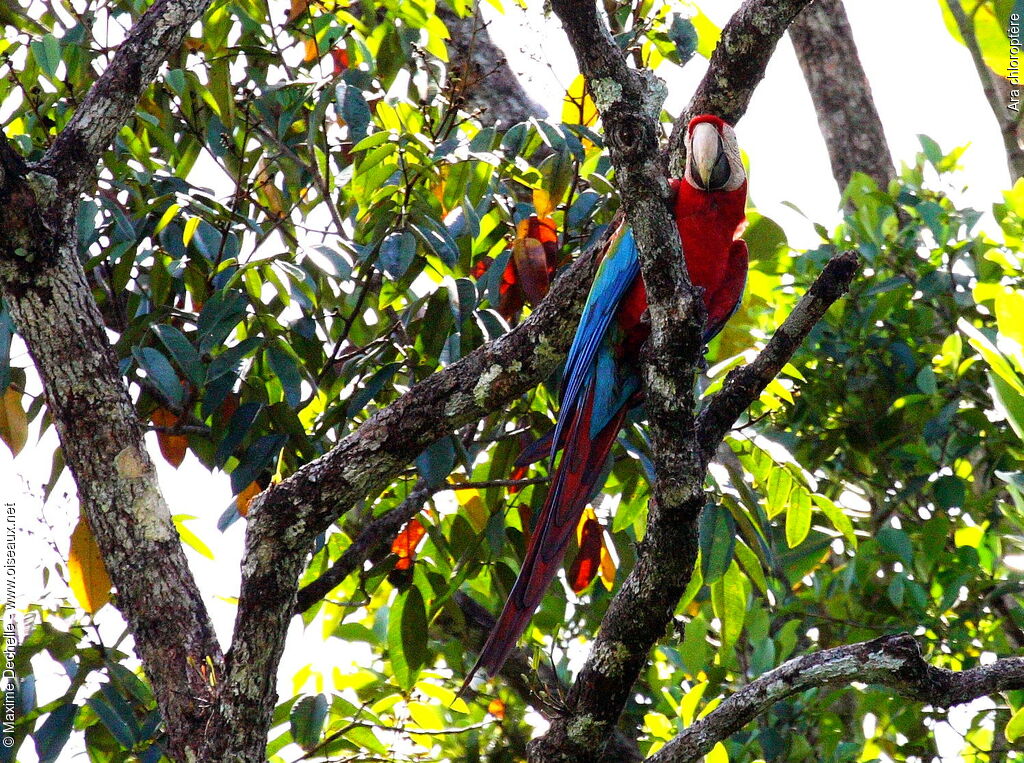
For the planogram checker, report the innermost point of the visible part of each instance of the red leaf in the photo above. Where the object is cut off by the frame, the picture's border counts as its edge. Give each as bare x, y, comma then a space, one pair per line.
517, 474
340, 57
588, 560
404, 544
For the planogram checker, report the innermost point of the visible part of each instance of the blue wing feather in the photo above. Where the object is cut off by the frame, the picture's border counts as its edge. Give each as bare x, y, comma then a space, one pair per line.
619, 267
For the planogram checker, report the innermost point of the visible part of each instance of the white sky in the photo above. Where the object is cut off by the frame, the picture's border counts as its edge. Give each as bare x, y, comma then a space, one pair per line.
923, 82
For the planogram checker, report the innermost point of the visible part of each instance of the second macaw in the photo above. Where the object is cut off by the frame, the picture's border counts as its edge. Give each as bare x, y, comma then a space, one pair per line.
601, 381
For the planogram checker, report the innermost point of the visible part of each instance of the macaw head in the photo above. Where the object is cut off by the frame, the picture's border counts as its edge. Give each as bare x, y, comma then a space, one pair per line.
712, 155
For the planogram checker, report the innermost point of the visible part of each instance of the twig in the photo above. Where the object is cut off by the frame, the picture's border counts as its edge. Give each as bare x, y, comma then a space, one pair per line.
374, 536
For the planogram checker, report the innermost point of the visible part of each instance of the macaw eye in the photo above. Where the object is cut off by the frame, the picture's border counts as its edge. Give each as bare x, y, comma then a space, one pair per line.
720, 173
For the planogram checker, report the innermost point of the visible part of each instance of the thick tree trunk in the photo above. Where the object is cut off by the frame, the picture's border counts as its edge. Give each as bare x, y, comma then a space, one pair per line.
486, 83
53, 309
846, 111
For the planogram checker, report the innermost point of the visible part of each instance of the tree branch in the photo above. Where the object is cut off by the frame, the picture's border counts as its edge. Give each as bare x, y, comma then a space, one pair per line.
846, 111
743, 385
629, 102
486, 81
892, 661
991, 86
373, 537
110, 102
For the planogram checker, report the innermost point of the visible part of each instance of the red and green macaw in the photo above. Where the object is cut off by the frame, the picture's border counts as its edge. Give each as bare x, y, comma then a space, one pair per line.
601, 381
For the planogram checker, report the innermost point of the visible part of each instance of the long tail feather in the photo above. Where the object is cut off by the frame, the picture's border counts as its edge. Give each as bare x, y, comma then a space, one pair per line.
571, 489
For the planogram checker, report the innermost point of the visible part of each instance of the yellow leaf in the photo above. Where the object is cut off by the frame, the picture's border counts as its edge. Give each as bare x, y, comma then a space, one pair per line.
969, 536
13, 422
1015, 728
689, 702
607, 569
472, 503
659, 725
588, 513
718, 754
89, 581
543, 203
1010, 315
190, 230
708, 35
578, 107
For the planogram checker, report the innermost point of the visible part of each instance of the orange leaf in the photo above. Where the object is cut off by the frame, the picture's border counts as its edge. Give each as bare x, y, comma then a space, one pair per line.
298, 7
440, 187
543, 229
542, 202
585, 565
607, 568
13, 421
312, 50
87, 574
404, 544
172, 446
244, 498
496, 708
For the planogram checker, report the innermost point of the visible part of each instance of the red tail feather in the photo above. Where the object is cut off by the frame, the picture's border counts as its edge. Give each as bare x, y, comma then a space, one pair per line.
571, 488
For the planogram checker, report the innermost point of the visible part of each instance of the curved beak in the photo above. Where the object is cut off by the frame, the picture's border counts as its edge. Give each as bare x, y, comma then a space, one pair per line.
705, 150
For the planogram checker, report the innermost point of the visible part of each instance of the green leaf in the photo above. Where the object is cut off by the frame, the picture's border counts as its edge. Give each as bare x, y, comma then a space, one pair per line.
992, 356
397, 252
219, 316
780, 484
717, 536
729, 601
238, 427
307, 721
1012, 402
369, 391
798, 517
228, 360
115, 724
897, 543
751, 565
183, 352
287, 372
256, 458
436, 462
407, 636
161, 374
47, 54
54, 733
1015, 726
837, 517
